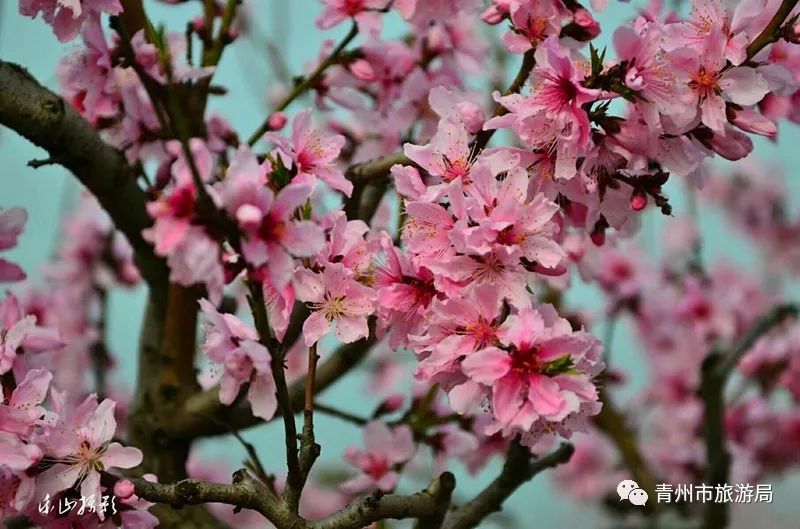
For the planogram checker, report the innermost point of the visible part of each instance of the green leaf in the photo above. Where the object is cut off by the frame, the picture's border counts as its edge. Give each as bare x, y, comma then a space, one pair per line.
560, 366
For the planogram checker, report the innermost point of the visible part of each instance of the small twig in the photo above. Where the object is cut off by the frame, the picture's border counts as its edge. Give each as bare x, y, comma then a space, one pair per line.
519, 468
762, 327
307, 82
35, 163
309, 448
333, 412
294, 475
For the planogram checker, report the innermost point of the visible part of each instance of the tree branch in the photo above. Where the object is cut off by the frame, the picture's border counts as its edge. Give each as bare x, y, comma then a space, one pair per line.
244, 492
427, 505
716, 370
50, 123
519, 468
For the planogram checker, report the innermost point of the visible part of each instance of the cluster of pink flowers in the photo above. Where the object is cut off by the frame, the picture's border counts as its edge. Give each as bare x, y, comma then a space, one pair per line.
47, 337
52, 452
463, 261
481, 227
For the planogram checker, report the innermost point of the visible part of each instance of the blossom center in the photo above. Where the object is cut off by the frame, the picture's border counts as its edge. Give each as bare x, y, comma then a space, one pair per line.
705, 83
482, 332
271, 229
376, 466
333, 307
455, 168
181, 202
526, 361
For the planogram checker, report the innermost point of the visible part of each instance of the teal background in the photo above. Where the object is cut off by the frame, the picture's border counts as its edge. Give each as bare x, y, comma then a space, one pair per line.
49, 191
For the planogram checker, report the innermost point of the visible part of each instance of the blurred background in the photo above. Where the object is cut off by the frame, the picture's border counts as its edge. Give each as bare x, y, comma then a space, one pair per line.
283, 39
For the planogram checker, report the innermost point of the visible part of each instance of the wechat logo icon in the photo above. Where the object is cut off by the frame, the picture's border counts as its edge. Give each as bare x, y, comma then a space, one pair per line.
629, 490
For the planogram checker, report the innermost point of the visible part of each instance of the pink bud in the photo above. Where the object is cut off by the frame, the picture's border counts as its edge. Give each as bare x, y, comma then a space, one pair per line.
638, 200
277, 121
393, 402
123, 489
584, 26
733, 146
493, 15
198, 25
362, 70
752, 121
472, 115
556, 271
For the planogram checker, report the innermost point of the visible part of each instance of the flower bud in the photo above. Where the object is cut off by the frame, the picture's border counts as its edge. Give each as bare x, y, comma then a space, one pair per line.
123, 489
362, 70
391, 404
752, 121
277, 121
638, 200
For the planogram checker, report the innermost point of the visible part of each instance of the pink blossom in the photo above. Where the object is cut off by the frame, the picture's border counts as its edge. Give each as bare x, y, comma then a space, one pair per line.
447, 155
711, 83
404, 292
86, 76
80, 445
384, 450
19, 333
17, 455
458, 327
174, 211
271, 234
238, 358
346, 244
422, 13
364, 12
553, 112
12, 221
17, 490
312, 153
738, 26
533, 22
336, 298
24, 411
543, 374
650, 74
591, 473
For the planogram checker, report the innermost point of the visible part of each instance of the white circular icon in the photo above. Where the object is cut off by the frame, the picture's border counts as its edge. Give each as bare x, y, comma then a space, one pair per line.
637, 497
625, 487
